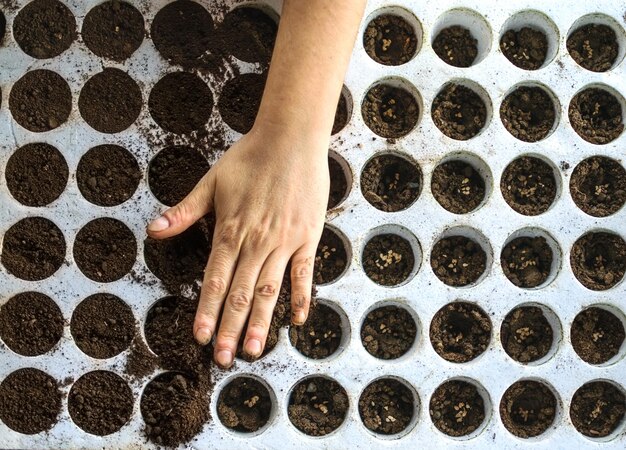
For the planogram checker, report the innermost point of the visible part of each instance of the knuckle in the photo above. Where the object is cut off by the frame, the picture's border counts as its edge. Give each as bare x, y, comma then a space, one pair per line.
226, 339
257, 327
239, 301
228, 235
267, 290
302, 270
215, 287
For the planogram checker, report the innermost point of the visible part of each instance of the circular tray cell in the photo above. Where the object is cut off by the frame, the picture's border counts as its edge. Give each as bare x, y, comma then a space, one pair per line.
526, 47
597, 409
174, 172
387, 406
597, 335
596, 115
331, 258
390, 111
526, 334
31, 324
529, 186
105, 250
390, 40
181, 102
317, 406
40, 101
113, 30
343, 112
598, 260
391, 183
528, 408
594, 47
528, 113
30, 401
388, 259
456, 46
458, 261
598, 186
240, 100
321, 334
388, 332
100, 402
110, 101
102, 326
33, 249
36, 174
457, 408
459, 112
44, 28
458, 186
244, 405
108, 175
527, 261
248, 34
339, 185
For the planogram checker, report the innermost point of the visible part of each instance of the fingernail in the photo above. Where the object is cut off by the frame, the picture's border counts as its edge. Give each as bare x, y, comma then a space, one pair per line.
224, 358
203, 336
298, 318
253, 347
159, 224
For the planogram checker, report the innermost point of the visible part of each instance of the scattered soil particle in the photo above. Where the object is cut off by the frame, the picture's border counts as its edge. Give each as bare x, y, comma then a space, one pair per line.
458, 261
598, 260
108, 175
459, 112
597, 335
390, 40
527, 261
113, 30
597, 409
457, 186
40, 101
526, 334
342, 116
596, 116
388, 259
389, 111
244, 405
386, 406
593, 47
140, 362
457, 408
30, 401
528, 113
528, 185
33, 249
31, 324
598, 186
526, 48
456, 46
388, 332
320, 336
36, 174
44, 28
105, 250
248, 34
240, 99
331, 258
391, 183
339, 188
527, 408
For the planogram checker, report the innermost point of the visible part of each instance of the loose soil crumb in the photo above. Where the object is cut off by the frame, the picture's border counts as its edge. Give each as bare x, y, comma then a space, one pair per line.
528, 113
331, 258
457, 408
391, 183
456, 46
320, 336
339, 188
341, 114
457, 186
388, 259
593, 47
596, 116
240, 99
598, 186
526, 48
390, 112
388, 332
597, 335
140, 362
36, 174
528, 185
527, 261
597, 409
458, 261
31, 324
390, 40
526, 334
248, 34
459, 112
527, 408
386, 406
244, 405
598, 260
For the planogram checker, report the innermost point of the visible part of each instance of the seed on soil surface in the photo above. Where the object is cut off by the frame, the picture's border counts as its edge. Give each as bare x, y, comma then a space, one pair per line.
456, 46
528, 408
457, 408
459, 112
317, 406
596, 115
320, 335
331, 257
390, 40
598, 186
388, 259
594, 47
389, 111
528, 185
598, 260
597, 335
391, 183
386, 406
526, 334
458, 261
457, 186
526, 47
597, 409
388, 332
244, 405
527, 261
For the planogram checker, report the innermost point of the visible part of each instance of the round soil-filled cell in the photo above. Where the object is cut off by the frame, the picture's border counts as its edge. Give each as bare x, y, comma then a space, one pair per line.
44, 28
102, 326
108, 175
391, 183
100, 402
317, 406
526, 48
181, 103
457, 186
248, 34
36, 174
105, 250
527, 261
386, 406
388, 332
528, 408
457, 408
331, 258
113, 30
174, 172
33, 249
342, 116
598, 260
390, 40
339, 188
240, 100
388, 259
526, 334
31, 324
593, 47
596, 116
389, 111
597, 409
598, 186
320, 335
40, 101
459, 112
110, 101
597, 335
528, 185
30, 401
528, 113
456, 46
458, 261
244, 405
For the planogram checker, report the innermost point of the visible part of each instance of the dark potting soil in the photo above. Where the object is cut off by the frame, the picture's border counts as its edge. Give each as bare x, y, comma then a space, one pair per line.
596, 116
388, 332
594, 47
140, 361
40, 101
598, 186
458, 260
526, 48
386, 406
527, 408
527, 261
457, 408
597, 335
331, 258
31, 323
456, 46
339, 188
390, 40
33, 249
244, 405
317, 406
389, 111
44, 28
459, 112
391, 183
100, 402
528, 185
30, 401
341, 114
598, 260
108, 175
457, 186
526, 334
597, 409
460, 331
36, 174
240, 99
248, 34
105, 250
388, 259
528, 113
320, 335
